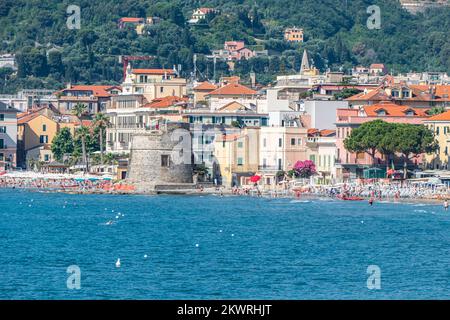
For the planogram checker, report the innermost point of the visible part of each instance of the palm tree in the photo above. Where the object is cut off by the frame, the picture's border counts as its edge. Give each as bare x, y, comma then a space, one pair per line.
82, 132
79, 110
101, 121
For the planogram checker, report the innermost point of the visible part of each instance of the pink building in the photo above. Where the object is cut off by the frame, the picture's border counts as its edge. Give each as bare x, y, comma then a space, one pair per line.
350, 165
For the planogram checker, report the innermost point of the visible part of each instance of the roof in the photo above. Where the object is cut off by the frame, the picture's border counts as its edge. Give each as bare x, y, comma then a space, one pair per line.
228, 137
6, 108
321, 133
440, 89
375, 95
393, 110
153, 71
27, 118
165, 102
445, 116
233, 106
205, 10
98, 90
233, 89
128, 19
205, 86
377, 66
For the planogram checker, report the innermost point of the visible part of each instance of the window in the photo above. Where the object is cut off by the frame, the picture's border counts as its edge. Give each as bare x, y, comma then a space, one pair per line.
240, 161
280, 164
2, 117
165, 160
264, 163
3, 129
43, 139
2, 157
280, 142
240, 144
161, 89
46, 158
2, 144
437, 130
264, 142
292, 141
44, 127
299, 141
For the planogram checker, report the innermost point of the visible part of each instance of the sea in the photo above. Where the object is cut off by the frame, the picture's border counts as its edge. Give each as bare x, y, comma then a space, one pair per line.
63, 246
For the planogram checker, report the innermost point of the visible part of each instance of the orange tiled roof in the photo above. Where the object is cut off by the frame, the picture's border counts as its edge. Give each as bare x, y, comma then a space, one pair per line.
205, 86
327, 132
153, 71
127, 19
165, 102
27, 118
205, 10
228, 137
377, 66
98, 91
440, 89
376, 94
233, 89
393, 110
445, 116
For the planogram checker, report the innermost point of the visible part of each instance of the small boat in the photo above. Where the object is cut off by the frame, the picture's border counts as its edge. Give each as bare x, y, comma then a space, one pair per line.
350, 198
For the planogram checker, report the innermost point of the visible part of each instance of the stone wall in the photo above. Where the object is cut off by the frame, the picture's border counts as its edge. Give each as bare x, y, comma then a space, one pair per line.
156, 159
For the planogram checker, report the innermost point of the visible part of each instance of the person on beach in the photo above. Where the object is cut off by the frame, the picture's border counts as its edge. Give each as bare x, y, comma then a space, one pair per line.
371, 201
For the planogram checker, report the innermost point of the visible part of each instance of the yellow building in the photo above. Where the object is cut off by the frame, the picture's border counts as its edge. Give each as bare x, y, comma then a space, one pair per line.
153, 83
35, 133
237, 156
440, 125
293, 34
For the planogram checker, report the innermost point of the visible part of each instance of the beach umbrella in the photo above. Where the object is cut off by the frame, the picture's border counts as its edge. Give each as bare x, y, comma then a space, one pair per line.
255, 178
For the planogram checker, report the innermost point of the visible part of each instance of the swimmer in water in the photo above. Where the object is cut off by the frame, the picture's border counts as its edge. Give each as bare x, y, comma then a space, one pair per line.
445, 205
371, 201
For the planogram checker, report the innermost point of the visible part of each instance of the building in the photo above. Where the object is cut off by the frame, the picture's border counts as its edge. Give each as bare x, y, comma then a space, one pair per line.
138, 23
199, 14
232, 92
417, 96
94, 97
131, 114
8, 137
237, 156
35, 132
153, 83
28, 98
350, 165
8, 61
321, 114
236, 50
377, 69
293, 34
322, 151
440, 125
416, 6
201, 91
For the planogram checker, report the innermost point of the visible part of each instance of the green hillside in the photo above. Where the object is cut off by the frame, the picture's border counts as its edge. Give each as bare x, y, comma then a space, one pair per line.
50, 54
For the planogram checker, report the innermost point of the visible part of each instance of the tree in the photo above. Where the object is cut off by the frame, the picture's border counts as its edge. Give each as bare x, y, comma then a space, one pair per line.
436, 110
83, 133
101, 121
344, 94
79, 110
62, 144
412, 140
366, 138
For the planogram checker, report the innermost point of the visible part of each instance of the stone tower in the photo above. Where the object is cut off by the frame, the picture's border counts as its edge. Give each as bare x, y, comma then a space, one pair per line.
161, 159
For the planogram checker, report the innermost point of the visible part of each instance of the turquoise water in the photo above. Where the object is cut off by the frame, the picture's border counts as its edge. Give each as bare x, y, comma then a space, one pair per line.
248, 248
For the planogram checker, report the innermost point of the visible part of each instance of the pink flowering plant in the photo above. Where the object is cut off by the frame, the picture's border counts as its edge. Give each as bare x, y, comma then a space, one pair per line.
304, 169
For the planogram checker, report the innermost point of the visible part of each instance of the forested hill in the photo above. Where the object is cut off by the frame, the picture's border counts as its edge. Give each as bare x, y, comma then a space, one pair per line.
50, 54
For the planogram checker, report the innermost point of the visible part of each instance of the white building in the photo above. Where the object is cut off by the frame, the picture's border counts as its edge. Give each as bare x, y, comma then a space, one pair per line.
8, 137
322, 113
8, 61
27, 98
